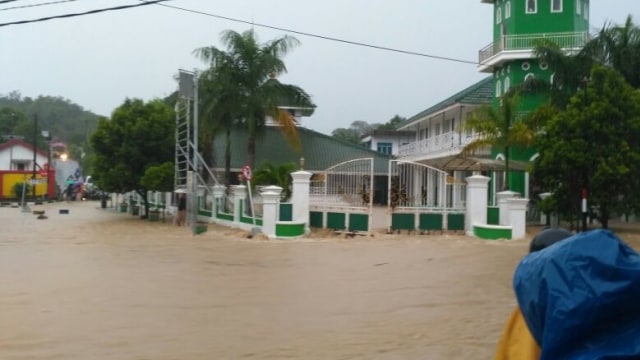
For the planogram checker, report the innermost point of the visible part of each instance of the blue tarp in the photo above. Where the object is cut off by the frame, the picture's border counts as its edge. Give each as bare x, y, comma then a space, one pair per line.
581, 298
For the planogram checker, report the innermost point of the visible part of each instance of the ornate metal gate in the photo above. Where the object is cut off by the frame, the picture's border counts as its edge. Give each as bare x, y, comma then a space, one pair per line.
424, 198
341, 197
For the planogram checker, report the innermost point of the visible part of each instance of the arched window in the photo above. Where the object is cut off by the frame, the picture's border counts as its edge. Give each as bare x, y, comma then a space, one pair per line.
529, 76
507, 10
507, 85
498, 88
585, 11
498, 15
532, 6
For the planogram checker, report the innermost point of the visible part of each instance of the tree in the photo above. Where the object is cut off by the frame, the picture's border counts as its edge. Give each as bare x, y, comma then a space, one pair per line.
280, 175
619, 47
593, 145
138, 136
501, 128
253, 68
392, 124
354, 133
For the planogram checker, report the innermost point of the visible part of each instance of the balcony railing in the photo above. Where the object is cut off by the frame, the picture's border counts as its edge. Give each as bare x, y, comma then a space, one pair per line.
572, 40
445, 144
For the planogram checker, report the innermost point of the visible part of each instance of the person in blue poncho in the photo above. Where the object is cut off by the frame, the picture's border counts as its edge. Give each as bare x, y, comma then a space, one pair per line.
580, 298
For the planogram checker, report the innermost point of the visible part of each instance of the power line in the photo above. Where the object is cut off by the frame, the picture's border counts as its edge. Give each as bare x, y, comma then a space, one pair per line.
90, 12
318, 36
7, 1
36, 5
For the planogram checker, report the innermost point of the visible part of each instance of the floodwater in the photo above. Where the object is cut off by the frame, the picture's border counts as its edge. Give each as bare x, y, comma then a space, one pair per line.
97, 284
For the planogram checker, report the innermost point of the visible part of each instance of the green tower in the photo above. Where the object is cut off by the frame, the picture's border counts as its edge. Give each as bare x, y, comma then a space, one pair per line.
517, 27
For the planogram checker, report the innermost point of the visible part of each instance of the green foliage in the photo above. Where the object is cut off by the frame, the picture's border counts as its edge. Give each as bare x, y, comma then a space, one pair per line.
245, 76
67, 122
501, 128
593, 145
138, 136
392, 124
280, 175
349, 135
17, 189
159, 178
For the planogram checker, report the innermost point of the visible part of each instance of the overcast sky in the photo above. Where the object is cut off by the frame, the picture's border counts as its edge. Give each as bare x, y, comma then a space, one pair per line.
99, 60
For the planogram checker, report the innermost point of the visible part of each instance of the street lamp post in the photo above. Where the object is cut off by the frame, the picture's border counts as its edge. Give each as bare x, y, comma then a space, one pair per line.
35, 145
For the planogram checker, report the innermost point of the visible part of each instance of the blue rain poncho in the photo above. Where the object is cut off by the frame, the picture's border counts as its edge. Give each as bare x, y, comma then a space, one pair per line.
581, 298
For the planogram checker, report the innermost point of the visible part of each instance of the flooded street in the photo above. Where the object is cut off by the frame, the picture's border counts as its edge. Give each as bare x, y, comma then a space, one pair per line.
96, 284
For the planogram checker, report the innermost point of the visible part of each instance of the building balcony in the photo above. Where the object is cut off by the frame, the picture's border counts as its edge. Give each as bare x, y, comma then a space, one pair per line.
447, 144
514, 47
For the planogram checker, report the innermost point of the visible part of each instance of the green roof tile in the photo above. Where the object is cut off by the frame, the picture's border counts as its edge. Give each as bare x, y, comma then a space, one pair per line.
320, 151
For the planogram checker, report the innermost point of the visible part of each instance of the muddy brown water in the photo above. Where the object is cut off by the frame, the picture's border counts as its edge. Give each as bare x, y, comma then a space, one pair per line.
96, 284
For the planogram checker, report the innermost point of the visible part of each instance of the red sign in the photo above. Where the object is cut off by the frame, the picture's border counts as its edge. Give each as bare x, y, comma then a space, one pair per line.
246, 172
43, 173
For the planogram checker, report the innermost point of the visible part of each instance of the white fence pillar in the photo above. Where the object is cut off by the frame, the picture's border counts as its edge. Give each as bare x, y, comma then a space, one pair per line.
503, 208
517, 217
544, 214
239, 196
218, 195
300, 196
477, 191
270, 204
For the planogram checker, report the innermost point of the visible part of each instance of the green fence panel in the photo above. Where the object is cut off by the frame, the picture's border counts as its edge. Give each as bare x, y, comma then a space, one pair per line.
493, 215
315, 219
358, 222
403, 222
336, 221
455, 222
431, 222
286, 212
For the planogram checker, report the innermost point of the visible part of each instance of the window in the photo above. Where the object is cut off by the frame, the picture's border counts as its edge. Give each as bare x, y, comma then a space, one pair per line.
532, 6
585, 11
529, 76
507, 85
498, 88
507, 10
385, 148
498, 15
579, 7
556, 6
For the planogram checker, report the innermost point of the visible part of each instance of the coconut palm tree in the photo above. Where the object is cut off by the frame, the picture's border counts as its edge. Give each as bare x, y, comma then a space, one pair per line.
502, 128
251, 80
619, 47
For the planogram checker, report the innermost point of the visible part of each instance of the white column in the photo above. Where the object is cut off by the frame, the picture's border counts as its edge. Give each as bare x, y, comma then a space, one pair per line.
218, 195
273, 189
270, 203
477, 192
517, 217
300, 196
502, 198
239, 195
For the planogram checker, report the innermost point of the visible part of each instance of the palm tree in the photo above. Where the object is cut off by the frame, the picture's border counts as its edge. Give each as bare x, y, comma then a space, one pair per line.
501, 128
251, 80
619, 47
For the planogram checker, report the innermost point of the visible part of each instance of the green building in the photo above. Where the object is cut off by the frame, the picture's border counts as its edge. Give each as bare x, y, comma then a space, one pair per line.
517, 26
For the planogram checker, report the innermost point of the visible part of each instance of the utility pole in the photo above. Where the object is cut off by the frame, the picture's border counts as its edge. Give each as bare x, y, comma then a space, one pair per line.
35, 144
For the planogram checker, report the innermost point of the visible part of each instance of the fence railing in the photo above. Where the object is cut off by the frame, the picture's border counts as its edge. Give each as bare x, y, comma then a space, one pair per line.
569, 40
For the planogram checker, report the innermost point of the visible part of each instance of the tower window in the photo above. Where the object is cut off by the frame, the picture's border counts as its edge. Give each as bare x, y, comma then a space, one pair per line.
507, 85
529, 77
498, 16
585, 11
556, 5
532, 6
498, 88
507, 10
579, 7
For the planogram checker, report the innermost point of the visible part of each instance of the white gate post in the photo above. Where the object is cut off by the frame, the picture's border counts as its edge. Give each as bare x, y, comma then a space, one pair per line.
544, 214
218, 194
503, 206
517, 217
270, 203
477, 191
239, 195
300, 197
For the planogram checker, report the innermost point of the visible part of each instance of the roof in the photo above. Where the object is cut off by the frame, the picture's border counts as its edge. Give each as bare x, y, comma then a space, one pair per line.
19, 142
320, 151
477, 94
